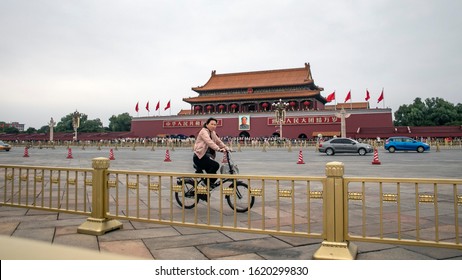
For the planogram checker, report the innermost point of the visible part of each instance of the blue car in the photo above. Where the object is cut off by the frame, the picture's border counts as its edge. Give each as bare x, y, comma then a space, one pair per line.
402, 143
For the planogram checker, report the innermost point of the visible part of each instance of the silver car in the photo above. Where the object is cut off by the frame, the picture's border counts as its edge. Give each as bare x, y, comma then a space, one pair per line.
4, 146
344, 145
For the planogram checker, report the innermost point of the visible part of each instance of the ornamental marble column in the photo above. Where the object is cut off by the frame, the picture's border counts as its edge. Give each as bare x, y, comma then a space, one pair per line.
342, 115
51, 124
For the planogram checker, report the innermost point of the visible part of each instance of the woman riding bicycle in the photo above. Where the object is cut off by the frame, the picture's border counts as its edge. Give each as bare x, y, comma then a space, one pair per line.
205, 148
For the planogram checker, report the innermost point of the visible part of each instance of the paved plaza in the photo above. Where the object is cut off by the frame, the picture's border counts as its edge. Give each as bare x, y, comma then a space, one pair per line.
153, 241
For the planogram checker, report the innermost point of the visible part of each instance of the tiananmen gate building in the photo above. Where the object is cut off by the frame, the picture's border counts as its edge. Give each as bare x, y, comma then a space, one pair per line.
244, 105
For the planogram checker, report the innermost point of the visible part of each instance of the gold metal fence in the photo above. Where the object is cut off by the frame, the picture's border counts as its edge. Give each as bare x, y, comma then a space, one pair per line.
407, 211
47, 188
332, 208
283, 205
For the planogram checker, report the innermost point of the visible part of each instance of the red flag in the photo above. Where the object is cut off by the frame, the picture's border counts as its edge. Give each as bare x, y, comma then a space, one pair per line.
348, 97
331, 97
380, 97
368, 96
158, 105
147, 106
168, 105
136, 107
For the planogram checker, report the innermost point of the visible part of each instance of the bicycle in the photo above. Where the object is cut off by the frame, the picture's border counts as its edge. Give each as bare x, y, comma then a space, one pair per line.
236, 193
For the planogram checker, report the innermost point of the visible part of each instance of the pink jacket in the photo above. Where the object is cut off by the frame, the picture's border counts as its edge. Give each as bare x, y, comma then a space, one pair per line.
203, 141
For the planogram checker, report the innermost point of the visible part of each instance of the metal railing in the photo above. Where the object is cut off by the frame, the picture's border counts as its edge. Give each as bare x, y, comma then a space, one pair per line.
284, 205
405, 211
47, 188
332, 208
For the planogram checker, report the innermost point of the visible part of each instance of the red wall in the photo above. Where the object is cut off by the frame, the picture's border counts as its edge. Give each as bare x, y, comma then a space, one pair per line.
259, 127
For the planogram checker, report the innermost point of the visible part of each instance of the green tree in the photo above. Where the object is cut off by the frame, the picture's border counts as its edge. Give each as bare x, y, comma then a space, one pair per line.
11, 130
65, 125
44, 129
441, 111
122, 122
31, 130
459, 114
434, 111
91, 126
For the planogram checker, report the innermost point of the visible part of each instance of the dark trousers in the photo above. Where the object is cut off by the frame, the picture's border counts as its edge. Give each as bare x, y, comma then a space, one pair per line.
208, 165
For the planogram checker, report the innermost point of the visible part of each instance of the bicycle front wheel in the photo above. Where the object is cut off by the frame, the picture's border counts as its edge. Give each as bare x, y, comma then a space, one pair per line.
241, 201
187, 195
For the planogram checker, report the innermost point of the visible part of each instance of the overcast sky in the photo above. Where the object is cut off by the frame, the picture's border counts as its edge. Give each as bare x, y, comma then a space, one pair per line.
101, 57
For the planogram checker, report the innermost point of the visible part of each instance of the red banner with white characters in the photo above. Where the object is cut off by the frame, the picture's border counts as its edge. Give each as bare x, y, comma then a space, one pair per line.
307, 120
187, 123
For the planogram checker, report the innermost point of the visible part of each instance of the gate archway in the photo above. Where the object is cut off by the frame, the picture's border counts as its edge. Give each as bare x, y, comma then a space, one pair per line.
244, 134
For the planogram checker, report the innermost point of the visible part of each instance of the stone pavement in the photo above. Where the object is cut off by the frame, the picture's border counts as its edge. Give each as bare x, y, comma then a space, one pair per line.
153, 241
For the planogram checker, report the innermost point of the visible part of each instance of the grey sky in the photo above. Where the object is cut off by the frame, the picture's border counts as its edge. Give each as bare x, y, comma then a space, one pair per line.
101, 57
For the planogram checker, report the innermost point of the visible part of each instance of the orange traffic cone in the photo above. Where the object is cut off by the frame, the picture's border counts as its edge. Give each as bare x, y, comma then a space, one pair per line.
167, 156
111, 155
300, 158
376, 157
26, 152
69, 153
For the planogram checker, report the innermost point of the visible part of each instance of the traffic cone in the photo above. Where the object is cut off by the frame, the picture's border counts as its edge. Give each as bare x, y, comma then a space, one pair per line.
111, 154
300, 158
376, 157
69, 153
167, 156
26, 152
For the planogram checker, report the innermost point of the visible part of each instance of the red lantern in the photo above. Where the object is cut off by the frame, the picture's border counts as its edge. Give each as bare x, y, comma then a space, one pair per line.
306, 103
264, 105
197, 108
234, 106
292, 103
221, 107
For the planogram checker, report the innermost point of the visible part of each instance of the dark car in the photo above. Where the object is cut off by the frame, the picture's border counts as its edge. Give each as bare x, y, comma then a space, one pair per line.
4, 146
344, 145
403, 143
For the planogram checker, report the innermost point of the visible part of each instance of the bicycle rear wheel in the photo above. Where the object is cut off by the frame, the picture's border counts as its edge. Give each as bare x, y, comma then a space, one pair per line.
241, 202
187, 195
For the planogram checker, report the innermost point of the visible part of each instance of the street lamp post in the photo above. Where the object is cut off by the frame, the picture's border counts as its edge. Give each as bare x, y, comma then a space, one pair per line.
280, 110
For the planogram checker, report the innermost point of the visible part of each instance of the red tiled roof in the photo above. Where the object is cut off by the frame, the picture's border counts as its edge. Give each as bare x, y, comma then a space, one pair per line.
252, 96
269, 78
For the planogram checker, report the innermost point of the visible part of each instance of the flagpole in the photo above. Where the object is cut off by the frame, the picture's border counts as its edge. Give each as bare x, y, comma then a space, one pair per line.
351, 102
383, 99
